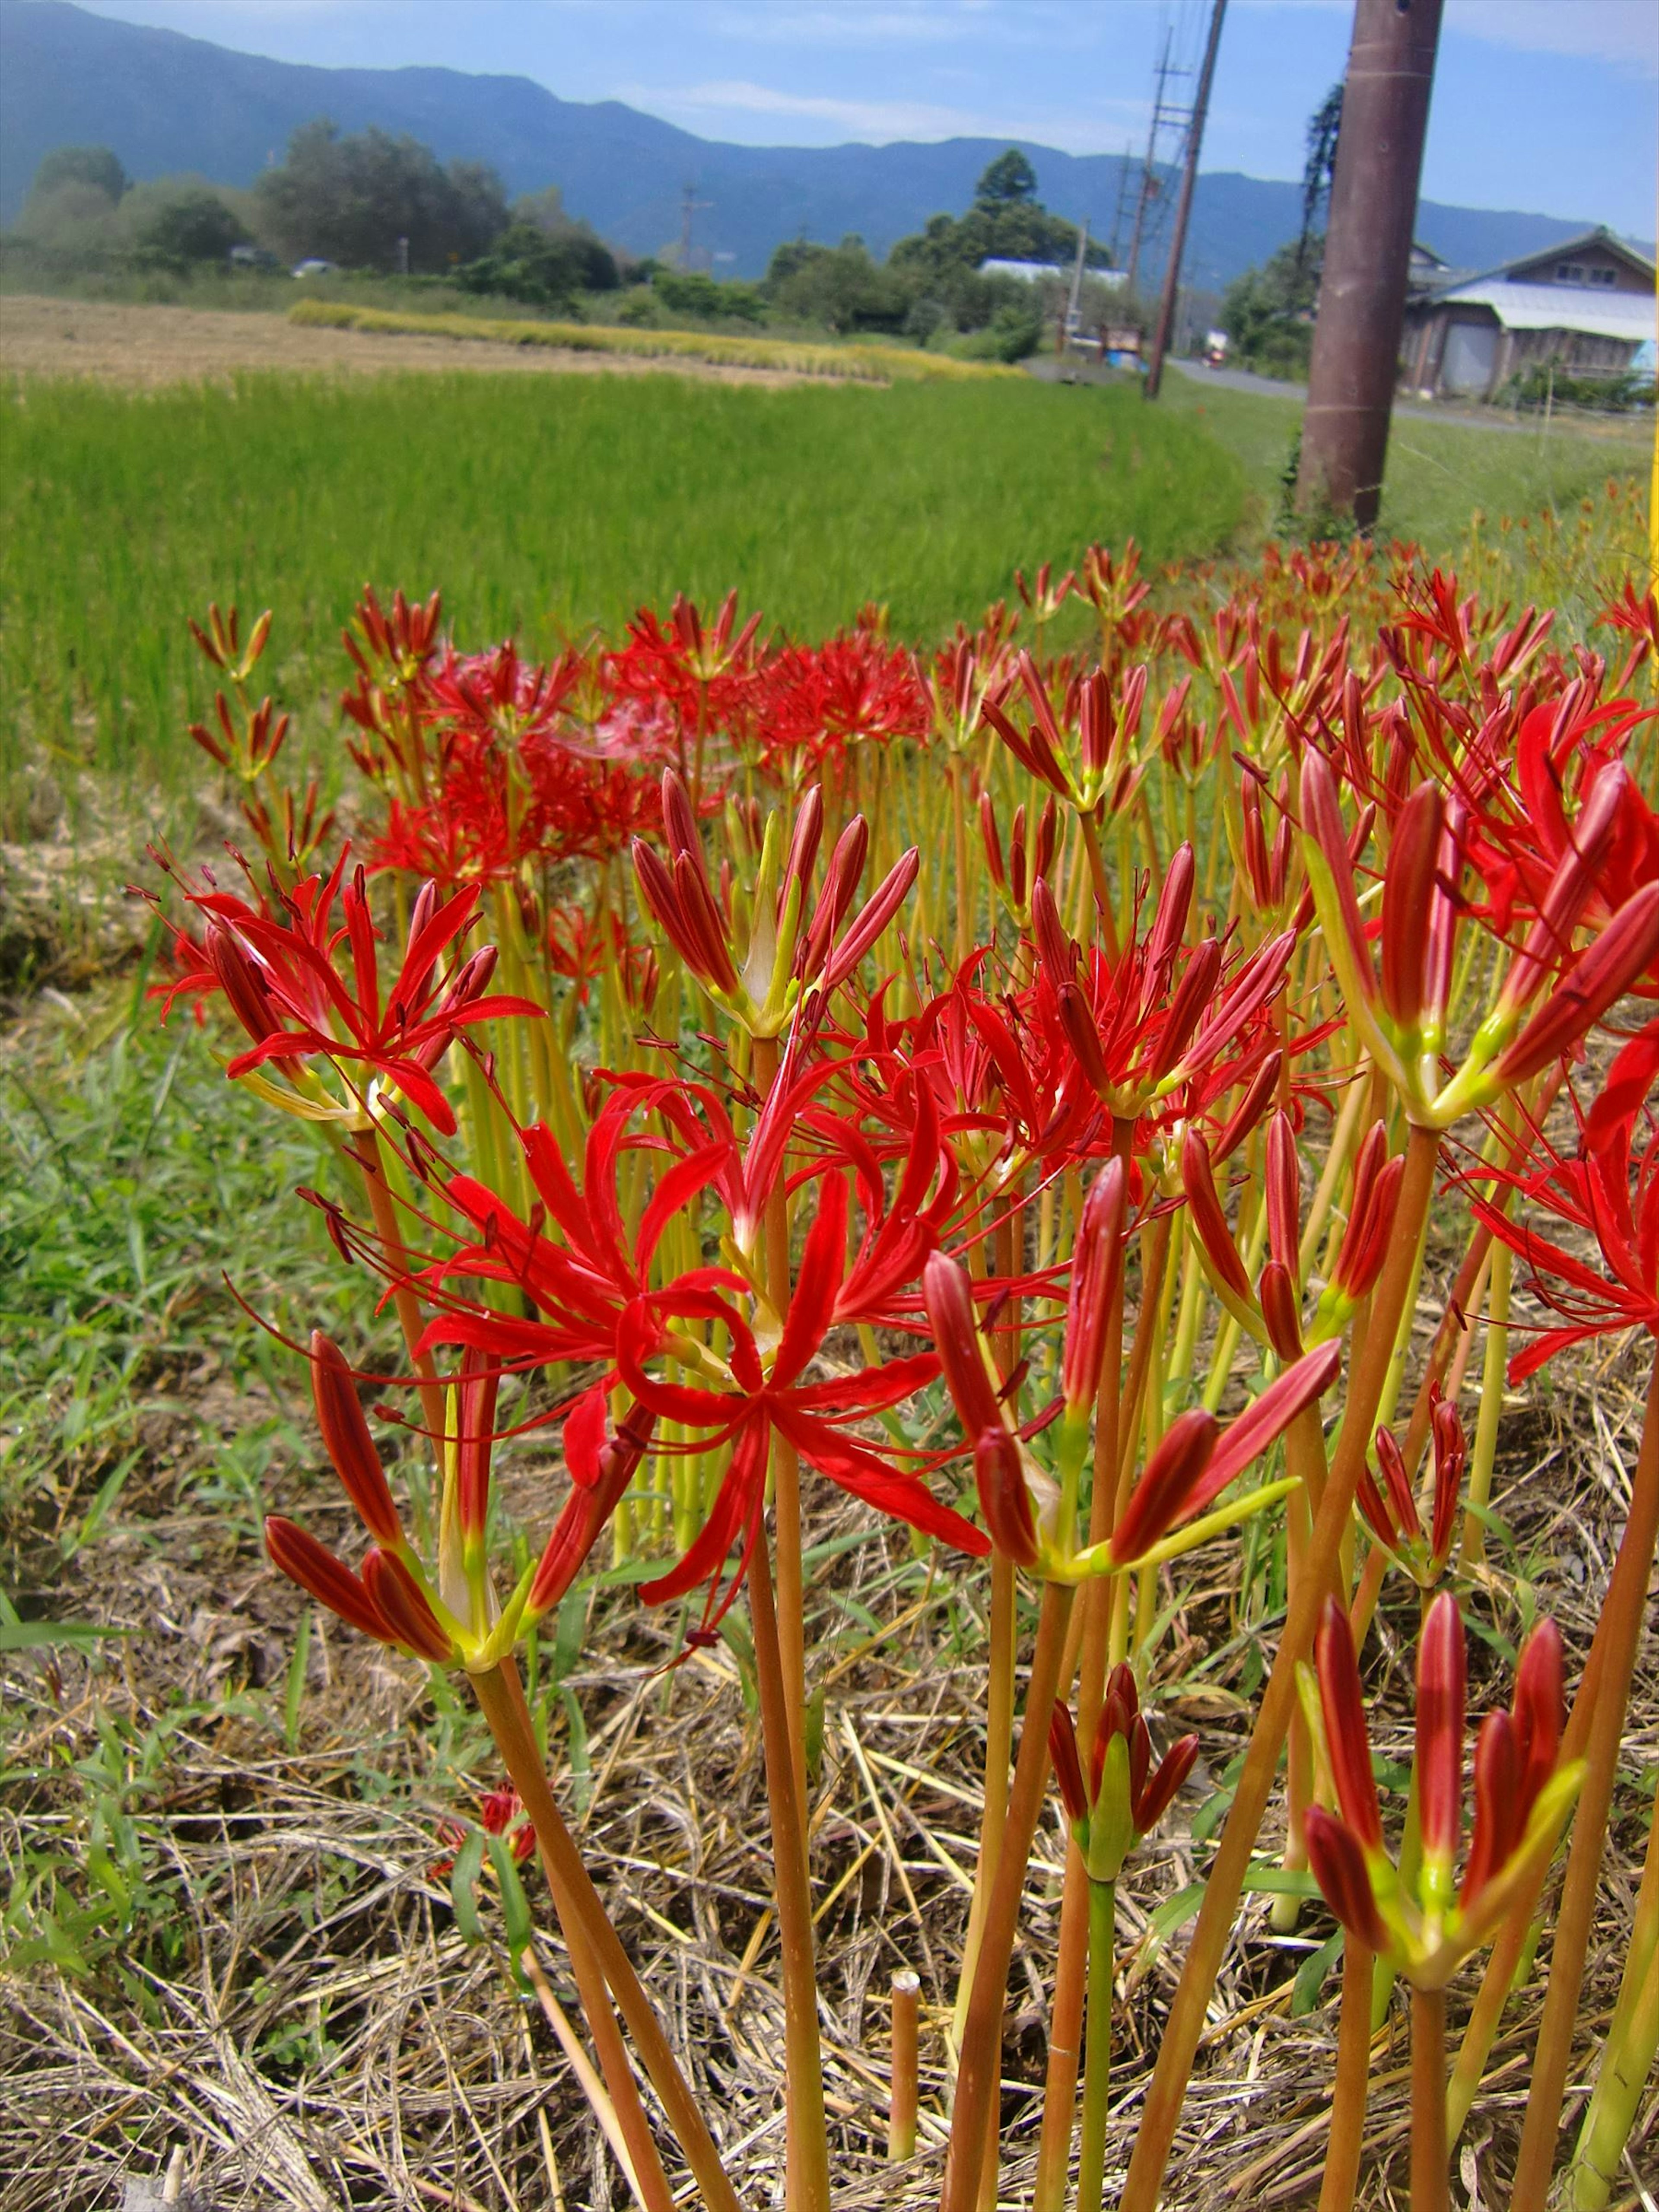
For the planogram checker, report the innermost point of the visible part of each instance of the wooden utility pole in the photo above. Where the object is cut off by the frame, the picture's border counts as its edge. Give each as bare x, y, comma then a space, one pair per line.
1184, 205
1368, 247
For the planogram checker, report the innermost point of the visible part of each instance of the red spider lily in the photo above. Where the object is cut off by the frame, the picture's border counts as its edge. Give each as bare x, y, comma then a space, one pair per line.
1606, 1191
1392, 1510
1124, 1796
282, 981
1103, 774
575, 1260
1196, 1460
1158, 1016
1403, 1016
1521, 1796
758, 1398
1521, 830
1273, 1310
500, 1813
1014, 881
812, 702
704, 672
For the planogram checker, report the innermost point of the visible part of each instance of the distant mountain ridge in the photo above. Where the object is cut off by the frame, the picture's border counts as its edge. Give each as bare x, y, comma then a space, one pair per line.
167, 103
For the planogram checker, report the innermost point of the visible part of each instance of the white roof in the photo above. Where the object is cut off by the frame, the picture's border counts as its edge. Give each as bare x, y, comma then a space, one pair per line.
1030, 271
1602, 314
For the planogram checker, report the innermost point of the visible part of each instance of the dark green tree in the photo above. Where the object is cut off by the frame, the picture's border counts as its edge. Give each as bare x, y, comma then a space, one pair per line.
1323, 126
1009, 181
543, 268
80, 165
190, 223
1267, 313
351, 200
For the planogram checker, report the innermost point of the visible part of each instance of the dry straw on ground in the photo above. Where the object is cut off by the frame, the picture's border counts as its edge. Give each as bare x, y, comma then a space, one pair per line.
323, 2037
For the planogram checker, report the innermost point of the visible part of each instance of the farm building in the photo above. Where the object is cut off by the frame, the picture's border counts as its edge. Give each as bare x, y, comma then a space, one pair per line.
1586, 305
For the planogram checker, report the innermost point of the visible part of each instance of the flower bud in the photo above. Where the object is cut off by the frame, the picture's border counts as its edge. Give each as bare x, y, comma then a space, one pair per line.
1346, 1735
1003, 1499
398, 1598
1440, 1685
1339, 1866
349, 1443
296, 1553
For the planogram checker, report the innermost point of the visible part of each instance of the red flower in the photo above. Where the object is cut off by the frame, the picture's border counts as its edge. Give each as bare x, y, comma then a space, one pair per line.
761, 1398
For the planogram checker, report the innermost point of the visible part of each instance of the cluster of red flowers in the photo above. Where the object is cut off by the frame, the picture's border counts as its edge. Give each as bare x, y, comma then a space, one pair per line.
750, 1159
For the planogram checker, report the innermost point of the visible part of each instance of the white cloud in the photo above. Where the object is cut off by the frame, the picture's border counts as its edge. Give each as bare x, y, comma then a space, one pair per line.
1621, 31
879, 121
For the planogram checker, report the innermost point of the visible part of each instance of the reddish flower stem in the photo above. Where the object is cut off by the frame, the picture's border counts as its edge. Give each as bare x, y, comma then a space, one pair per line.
1621, 1624
975, 2112
1168, 2087
577, 1903
1431, 2154
1353, 2072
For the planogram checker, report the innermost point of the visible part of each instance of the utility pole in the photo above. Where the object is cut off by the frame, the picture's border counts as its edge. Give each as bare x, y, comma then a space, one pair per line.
1368, 244
1184, 206
1073, 305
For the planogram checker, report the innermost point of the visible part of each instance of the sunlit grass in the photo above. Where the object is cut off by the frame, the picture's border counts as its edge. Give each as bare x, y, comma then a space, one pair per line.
541, 506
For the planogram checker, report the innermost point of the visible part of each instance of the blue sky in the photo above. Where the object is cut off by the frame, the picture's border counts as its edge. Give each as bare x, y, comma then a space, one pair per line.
1549, 105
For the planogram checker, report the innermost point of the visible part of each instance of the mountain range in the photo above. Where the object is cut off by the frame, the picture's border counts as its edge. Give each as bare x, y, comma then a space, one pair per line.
166, 103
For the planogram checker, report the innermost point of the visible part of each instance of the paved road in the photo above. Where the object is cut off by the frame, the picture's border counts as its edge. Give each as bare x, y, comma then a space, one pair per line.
1244, 379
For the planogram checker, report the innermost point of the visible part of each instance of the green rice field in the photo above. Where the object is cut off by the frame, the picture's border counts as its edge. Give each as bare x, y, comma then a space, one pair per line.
541, 507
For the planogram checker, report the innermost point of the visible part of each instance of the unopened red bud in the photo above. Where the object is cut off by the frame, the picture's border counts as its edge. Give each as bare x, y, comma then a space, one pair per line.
297, 1554
1623, 953
1441, 1684
1321, 822
1155, 1797
1539, 1710
679, 821
1077, 1019
1167, 1486
1451, 1454
1283, 1179
1055, 950
398, 1598
1408, 896
1497, 1816
1339, 1866
1369, 1500
1191, 1002
884, 903
1262, 1090
1364, 1243
1068, 1770
348, 1442
1173, 905
1392, 1467
1281, 1311
1004, 1501
948, 1294
1097, 1272
1209, 1222
1343, 1704
992, 838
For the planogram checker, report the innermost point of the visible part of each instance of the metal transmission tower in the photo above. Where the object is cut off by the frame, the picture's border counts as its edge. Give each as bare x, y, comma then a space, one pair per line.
1169, 120
1184, 208
689, 203
1368, 244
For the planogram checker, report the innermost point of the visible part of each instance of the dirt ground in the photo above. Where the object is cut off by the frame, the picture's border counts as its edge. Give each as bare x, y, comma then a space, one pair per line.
144, 348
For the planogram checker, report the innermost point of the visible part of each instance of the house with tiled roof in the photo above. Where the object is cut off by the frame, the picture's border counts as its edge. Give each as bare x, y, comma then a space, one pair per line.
1585, 306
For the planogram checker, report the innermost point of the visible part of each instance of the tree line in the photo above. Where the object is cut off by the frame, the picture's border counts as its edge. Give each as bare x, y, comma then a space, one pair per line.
369, 201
